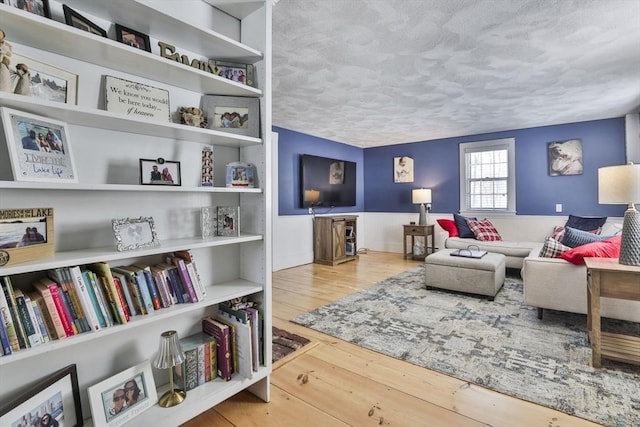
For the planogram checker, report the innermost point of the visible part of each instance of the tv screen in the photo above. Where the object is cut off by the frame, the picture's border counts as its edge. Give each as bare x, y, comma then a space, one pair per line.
327, 182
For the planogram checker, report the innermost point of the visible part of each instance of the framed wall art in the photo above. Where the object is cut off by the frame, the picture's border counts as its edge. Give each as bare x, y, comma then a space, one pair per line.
44, 81
565, 157
132, 38
39, 148
123, 396
233, 114
402, 169
228, 221
159, 172
136, 99
37, 7
53, 401
241, 73
73, 18
135, 233
25, 235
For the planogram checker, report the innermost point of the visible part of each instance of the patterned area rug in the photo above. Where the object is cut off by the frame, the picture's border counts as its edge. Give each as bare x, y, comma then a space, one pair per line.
500, 345
285, 343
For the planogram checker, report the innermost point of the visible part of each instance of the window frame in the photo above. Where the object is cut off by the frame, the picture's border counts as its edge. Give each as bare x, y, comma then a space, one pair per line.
489, 145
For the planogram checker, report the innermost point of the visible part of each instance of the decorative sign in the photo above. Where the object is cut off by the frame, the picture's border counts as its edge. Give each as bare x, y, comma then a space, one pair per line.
168, 51
136, 99
25, 234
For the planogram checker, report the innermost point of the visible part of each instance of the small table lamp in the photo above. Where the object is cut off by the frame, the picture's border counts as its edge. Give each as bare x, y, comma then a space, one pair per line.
169, 355
422, 196
621, 184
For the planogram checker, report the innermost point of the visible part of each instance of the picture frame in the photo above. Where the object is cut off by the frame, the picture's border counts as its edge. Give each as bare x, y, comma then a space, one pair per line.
233, 114
228, 221
107, 398
208, 221
74, 19
19, 242
37, 7
206, 179
240, 174
63, 86
135, 233
136, 99
235, 71
402, 169
565, 157
39, 147
132, 38
160, 172
59, 390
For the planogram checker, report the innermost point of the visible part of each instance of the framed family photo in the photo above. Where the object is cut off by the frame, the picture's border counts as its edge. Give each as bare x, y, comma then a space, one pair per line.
132, 38
241, 73
402, 169
123, 396
26, 234
228, 218
73, 18
37, 7
135, 233
46, 81
159, 172
53, 401
233, 114
39, 148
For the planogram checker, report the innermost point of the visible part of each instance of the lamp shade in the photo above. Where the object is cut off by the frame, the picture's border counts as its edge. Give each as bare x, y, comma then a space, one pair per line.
312, 196
421, 195
170, 352
619, 184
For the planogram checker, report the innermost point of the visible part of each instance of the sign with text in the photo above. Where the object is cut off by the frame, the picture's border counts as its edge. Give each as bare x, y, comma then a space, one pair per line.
136, 99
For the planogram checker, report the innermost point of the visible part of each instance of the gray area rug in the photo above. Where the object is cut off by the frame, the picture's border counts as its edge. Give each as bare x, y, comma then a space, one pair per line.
501, 345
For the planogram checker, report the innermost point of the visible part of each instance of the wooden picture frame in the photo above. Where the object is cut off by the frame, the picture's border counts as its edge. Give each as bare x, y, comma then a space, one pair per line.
19, 242
235, 71
233, 114
37, 7
132, 38
65, 83
106, 397
74, 19
160, 172
39, 148
59, 391
135, 233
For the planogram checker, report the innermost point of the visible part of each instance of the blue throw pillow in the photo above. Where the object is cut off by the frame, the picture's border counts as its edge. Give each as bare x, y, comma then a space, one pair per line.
585, 223
463, 227
574, 237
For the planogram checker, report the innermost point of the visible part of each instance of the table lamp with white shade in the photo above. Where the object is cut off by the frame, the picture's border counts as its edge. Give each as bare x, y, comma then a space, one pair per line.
621, 185
422, 196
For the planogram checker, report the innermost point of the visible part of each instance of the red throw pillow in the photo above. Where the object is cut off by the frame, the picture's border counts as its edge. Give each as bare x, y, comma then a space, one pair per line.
449, 225
484, 230
609, 248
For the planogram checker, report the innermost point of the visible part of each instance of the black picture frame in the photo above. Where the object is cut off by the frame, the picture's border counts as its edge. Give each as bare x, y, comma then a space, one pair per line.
132, 38
74, 19
64, 385
160, 172
41, 6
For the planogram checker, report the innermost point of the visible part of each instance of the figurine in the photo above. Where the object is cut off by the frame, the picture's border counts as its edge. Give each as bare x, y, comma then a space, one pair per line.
24, 80
5, 62
192, 116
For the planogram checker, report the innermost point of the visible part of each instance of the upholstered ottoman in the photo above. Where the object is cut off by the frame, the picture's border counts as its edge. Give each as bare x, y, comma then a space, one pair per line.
482, 276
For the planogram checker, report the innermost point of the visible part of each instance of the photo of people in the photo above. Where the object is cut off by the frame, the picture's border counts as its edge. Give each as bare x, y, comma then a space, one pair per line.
154, 172
132, 38
207, 168
23, 232
40, 138
49, 413
39, 7
231, 117
402, 169
123, 397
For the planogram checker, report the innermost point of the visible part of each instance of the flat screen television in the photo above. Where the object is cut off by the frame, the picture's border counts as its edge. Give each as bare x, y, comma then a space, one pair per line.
326, 182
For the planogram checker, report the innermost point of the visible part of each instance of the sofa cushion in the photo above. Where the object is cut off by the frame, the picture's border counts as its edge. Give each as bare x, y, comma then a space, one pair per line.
608, 248
449, 226
552, 248
484, 230
585, 223
558, 233
463, 228
574, 237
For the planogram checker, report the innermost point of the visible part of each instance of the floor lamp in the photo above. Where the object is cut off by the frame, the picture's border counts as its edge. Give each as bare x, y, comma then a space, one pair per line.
422, 196
621, 185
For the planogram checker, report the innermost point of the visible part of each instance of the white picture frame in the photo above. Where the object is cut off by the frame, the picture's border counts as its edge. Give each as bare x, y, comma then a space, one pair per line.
102, 402
34, 160
65, 82
135, 233
233, 114
228, 221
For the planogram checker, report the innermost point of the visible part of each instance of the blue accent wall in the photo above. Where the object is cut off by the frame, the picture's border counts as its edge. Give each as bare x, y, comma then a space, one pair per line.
436, 166
290, 146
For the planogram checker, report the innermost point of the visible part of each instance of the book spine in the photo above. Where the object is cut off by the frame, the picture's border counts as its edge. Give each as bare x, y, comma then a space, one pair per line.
63, 312
4, 339
5, 312
103, 272
188, 257
7, 289
93, 297
191, 369
33, 338
103, 301
153, 289
223, 346
37, 314
47, 299
201, 364
207, 362
80, 318
131, 284
85, 299
161, 283
123, 300
126, 291
65, 300
184, 276
181, 294
195, 281
110, 300
212, 359
144, 291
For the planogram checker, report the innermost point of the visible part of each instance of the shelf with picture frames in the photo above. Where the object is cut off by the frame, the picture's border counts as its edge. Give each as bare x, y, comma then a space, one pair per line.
27, 185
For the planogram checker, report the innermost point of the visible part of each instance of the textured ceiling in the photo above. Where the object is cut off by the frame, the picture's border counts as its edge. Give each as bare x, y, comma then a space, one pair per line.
379, 72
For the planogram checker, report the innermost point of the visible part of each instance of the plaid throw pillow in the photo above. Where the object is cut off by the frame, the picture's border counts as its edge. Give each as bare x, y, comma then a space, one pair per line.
484, 230
558, 233
552, 248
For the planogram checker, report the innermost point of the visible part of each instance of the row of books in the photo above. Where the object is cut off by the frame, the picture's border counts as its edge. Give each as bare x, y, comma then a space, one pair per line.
230, 343
73, 300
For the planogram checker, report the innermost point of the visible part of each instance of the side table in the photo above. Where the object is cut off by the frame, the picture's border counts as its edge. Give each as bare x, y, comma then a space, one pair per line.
412, 231
607, 278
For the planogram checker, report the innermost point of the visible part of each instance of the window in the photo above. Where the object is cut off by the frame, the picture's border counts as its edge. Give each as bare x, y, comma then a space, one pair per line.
487, 176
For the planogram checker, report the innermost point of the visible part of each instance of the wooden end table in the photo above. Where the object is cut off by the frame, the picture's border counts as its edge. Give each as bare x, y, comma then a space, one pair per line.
412, 231
607, 278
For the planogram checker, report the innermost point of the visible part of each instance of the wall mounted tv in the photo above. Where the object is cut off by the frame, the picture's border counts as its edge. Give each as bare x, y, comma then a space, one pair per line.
326, 182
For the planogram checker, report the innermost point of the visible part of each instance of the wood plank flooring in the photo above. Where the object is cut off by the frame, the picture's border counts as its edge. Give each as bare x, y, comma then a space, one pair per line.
334, 383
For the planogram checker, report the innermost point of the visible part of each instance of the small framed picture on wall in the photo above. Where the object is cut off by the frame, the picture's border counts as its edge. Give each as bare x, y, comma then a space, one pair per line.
402, 169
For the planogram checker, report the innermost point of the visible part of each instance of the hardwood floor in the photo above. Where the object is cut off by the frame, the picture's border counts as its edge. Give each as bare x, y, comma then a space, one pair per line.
333, 383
